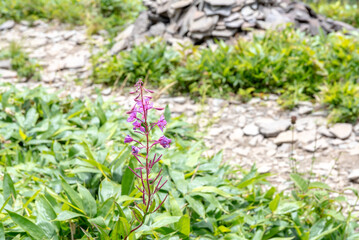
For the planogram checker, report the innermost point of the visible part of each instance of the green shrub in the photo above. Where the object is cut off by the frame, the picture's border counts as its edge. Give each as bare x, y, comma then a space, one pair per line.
20, 62
347, 12
288, 63
66, 176
152, 61
96, 14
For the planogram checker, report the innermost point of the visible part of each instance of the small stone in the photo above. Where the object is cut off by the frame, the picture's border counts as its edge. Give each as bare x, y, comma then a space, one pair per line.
221, 2
157, 29
286, 137
354, 176
325, 132
7, 74
181, 4
203, 24
273, 128
37, 42
73, 62
237, 135
106, 91
264, 169
215, 131
341, 130
321, 144
251, 130
303, 110
179, 100
242, 151
119, 46
5, 64
7, 25
356, 129
308, 136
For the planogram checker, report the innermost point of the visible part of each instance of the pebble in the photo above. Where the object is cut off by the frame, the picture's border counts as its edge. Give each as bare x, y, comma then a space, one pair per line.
354, 176
342, 130
251, 130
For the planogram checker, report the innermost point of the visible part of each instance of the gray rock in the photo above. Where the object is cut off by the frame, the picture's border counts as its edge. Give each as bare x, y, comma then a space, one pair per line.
235, 24
222, 11
181, 4
342, 130
303, 110
316, 146
127, 33
73, 62
158, 29
37, 42
7, 74
7, 25
237, 135
221, 2
5, 64
286, 137
119, 46
247, 11
354, 176
356, 129
323, 130
223, 33
203, 24
273, 128
251, 130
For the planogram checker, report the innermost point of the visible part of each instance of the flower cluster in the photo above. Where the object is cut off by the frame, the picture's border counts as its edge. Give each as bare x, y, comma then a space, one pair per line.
138, 116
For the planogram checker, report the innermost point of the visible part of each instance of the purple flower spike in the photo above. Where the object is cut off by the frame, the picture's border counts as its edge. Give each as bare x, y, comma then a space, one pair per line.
145, 174
128, 139
165, 142
135, 150
162, 123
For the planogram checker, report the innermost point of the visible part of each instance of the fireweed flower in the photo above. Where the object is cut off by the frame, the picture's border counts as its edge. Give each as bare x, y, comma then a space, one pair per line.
162, 123
128, 139
165, 142
149, 183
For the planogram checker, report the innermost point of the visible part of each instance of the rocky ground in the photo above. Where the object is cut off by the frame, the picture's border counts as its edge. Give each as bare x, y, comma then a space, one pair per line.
256, 132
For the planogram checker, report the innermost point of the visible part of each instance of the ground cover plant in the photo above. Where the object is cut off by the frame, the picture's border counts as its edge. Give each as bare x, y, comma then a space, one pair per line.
288, 63
345, 11
25, 67
96, 14
64, 174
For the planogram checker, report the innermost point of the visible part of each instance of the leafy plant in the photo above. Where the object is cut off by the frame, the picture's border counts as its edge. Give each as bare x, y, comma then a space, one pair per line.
66, 176
20, 62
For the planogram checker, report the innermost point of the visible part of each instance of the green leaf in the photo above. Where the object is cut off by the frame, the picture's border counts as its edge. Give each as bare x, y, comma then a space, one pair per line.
300, 182
288, 207
73, 196
273, 205
196, 206
128, 180
167, 113
2, 232
124, 227
184, 225
164, 221
211, 189
327, 232
66, 215
9, 189
31, 118
320, 185
89, 202
174, 207
31, 228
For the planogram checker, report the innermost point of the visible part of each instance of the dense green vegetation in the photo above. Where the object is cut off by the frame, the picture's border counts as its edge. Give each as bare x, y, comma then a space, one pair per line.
25, 67
346, 12
96, 14
289, 63
64, 174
